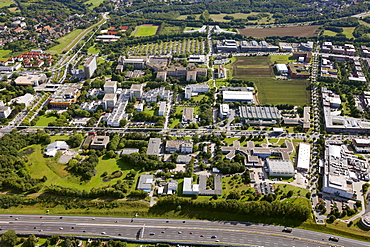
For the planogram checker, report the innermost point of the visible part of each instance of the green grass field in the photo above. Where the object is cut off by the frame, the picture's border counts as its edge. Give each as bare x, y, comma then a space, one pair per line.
58, 175
5, 3
348, 31
93, 50
271, 91
141, 31
284, 59
220, 17
44, 121
4, 53
95, 3
66, 42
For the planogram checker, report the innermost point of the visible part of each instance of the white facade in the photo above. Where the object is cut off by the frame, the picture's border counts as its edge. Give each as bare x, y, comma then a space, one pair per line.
232, 96
304, 154
25, 99
90, 66
162, 108
189, 188
5, 111
110, 87
194, 89
280, 168
282, 68
109, 101
224, 111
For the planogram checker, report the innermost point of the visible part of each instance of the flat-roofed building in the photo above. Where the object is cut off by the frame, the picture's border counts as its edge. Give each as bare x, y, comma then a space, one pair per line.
154, 146
189, 188
191, 75
224, 111
90, 66
280, 168
282, 68
136, 91
182, 146
188, 115
361, 145
66, 95
110, 87
33, 80
5, 111
109, 100
162, 75
259, 113
233, 96
99, 142
162, 108
304, 154
25, 99
195, 89
145, 183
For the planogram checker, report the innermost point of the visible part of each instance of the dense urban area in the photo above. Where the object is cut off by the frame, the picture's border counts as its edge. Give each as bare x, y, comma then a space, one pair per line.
168, 123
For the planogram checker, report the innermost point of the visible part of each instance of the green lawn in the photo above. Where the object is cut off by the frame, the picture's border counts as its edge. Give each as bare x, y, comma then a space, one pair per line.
57, 174
93, 50
191, 28
95, 3
4, 53
44, 121
5, 3
183, 17
299, 201
284, 59
149, 111
329, 33
287, 187
174, 123
66, 42
348, 31
145, 31
272, 91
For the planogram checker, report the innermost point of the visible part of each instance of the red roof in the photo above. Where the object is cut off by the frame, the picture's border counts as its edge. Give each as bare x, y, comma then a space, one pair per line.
112, 28
112, 32
124, 27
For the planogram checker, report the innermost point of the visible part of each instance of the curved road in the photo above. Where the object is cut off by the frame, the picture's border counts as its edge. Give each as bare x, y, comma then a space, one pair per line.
188, 231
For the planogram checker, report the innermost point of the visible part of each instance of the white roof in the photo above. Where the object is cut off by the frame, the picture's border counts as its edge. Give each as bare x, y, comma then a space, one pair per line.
187, 184
362, 141
304, 156
334, 150
25, 98
280, 166
281, 67
278, 129
57, 145
237, 95
160, 190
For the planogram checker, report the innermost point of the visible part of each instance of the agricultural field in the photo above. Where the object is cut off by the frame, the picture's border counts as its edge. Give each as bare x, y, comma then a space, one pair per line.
252, 67
270, 90
175, 47
220, 17
300, 31
5, 3
145, 30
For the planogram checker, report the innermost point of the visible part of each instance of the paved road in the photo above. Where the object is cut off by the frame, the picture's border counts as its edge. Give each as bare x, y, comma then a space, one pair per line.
172, 230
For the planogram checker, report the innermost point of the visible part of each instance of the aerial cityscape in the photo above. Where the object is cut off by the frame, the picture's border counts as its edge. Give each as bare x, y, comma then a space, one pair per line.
184, 123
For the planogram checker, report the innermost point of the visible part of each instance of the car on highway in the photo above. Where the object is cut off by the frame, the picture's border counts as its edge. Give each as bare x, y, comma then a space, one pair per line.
60, 228
201, 236
335, 239
103, 233
217, 240
162, 231
190, 232
179, 232
214, 236
152, 233
287, 229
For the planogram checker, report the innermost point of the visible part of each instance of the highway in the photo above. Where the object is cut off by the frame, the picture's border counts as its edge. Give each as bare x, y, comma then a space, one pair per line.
188, 231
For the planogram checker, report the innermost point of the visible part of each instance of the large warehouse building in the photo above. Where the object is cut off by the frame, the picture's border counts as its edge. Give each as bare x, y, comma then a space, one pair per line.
232, 96
280, 168
266, 113
304, 153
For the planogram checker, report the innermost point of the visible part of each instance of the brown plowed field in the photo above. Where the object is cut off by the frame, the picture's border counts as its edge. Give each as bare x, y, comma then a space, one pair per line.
301, 31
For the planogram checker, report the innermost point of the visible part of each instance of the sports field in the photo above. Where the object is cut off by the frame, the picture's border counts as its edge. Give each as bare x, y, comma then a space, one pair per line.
270, 90
145, 30
301, 31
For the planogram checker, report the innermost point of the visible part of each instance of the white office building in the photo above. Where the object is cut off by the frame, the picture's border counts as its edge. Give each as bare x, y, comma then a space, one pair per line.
304, 153
90, 66
224, 111
110, 87
232, 96
162, 108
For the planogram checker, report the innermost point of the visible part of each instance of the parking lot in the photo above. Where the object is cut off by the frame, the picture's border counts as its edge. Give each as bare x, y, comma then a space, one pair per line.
264, 188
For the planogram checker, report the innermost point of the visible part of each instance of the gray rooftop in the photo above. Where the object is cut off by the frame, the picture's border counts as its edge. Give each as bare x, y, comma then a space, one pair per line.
154, 146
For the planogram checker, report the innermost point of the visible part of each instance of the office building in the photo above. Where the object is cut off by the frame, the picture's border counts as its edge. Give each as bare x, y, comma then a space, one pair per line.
304, 154
5, 111
233, 96
224, 111
136, 91
182, 146
280, 168
162, 108
154, 146
110, 87
109, 101
99, 142
145, 183
90, 66
195, 89
66, 95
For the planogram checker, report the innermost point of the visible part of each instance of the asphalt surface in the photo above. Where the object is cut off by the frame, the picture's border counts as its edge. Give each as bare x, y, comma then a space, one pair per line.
188, 231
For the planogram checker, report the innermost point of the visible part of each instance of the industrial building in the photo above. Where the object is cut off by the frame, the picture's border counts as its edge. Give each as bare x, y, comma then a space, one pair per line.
232, 96
90, 66
145, 183
266, 113
282, 68
254, 46
154, 146
280, 168
303, 159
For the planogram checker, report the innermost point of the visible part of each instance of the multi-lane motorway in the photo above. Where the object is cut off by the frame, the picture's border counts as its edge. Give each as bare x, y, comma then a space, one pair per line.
188, 231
